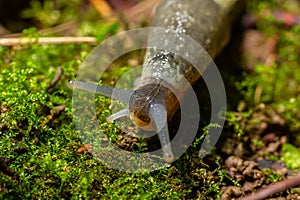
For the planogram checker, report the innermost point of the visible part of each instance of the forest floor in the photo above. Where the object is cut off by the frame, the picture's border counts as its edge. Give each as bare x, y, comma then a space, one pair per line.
42, 155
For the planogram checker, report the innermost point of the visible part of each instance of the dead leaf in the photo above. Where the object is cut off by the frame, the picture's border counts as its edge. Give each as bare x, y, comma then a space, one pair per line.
258, 48
103, 8
85, 148
55, 111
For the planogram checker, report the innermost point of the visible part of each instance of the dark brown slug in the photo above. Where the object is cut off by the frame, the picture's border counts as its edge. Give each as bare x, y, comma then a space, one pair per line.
152, 105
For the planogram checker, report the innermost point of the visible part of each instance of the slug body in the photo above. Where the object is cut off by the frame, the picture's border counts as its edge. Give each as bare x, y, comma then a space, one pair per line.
166, 76
208, 22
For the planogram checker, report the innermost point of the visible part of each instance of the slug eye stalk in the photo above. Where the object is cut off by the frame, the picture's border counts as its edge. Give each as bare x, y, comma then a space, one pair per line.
114, 93
158, 114
155, 111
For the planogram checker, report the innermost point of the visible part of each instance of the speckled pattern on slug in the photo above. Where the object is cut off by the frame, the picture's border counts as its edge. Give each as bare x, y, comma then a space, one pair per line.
205, 21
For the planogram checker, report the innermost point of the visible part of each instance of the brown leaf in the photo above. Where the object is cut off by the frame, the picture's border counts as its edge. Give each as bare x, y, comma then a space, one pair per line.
85, 148
55, 111
103, 8
258, 48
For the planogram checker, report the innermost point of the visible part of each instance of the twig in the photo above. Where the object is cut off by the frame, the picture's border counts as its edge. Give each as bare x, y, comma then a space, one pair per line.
274, 188
56, 78
47, 40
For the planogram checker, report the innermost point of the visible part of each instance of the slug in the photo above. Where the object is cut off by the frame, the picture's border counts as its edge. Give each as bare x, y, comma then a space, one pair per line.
153, 103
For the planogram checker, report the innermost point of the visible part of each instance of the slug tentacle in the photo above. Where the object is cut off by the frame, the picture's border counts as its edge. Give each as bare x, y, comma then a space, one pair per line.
114, 93
117, 115
158, 114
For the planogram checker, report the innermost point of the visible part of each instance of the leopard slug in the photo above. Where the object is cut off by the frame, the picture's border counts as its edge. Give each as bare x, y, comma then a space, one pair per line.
152, 105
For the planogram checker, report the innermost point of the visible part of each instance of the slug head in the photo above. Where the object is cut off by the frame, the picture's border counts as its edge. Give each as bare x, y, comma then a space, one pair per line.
146, 107
139, 105
148, 110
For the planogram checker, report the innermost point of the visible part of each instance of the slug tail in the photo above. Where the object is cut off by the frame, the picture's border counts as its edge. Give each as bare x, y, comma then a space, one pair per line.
114, 93
158, 114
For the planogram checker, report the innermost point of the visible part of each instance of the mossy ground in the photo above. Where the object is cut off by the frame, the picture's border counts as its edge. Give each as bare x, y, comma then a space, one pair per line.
39, 156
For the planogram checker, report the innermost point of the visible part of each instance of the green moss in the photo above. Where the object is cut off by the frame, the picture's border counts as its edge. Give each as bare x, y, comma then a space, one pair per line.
291, 156
238, 121
143, 186
273, 88
277, 85
42, 151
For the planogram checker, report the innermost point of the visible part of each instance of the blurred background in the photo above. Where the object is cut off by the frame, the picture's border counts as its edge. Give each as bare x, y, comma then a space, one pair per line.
16, 15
